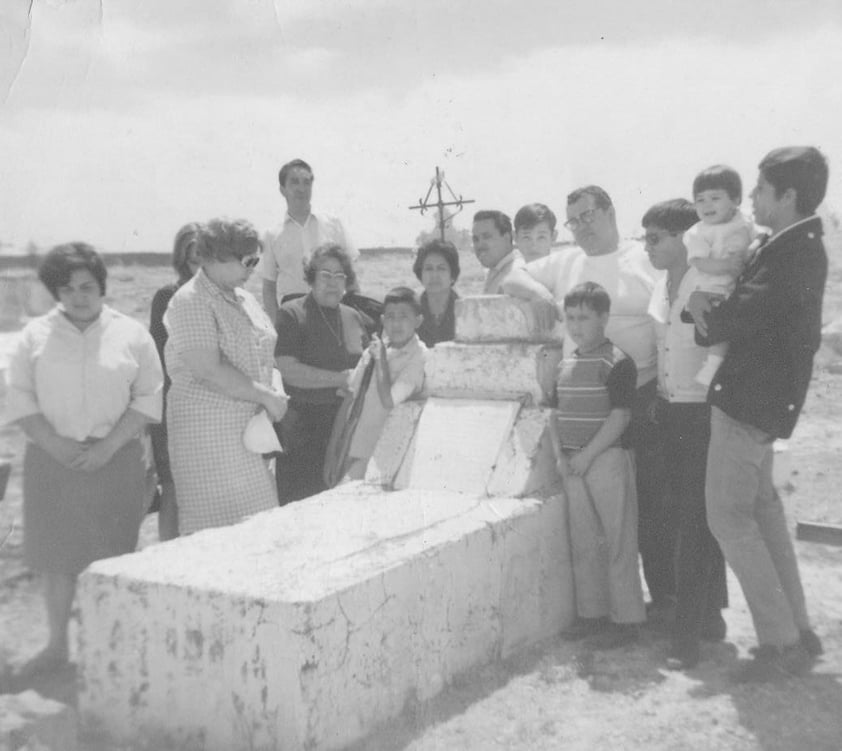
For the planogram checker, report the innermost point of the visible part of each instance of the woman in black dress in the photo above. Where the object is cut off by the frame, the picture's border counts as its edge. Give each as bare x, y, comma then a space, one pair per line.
186, 264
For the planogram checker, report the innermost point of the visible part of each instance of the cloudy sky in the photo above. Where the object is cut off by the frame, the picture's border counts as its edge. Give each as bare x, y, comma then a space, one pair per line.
121, 120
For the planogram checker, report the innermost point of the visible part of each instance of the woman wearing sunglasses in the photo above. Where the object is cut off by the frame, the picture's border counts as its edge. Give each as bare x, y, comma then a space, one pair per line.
219, 357
319, 343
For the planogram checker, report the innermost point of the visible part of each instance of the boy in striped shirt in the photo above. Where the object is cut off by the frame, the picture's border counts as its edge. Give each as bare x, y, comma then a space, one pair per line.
595, 388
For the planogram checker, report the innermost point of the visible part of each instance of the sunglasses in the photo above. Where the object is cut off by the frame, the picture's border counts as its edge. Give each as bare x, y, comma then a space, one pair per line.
251, 261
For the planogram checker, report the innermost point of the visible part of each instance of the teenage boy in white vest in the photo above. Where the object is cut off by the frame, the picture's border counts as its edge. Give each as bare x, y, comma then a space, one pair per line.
595, 391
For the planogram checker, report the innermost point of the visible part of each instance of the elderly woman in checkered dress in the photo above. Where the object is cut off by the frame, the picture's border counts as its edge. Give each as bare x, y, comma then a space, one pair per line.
219, 356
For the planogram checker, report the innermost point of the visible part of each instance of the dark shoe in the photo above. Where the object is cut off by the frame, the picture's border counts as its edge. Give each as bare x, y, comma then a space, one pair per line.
583, 627
774, 663
811, 642
714, 629
616, 635
683, 657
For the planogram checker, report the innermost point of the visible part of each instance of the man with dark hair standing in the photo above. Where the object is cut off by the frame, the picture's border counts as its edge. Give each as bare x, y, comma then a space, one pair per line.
683, 413
772, 324
286, 251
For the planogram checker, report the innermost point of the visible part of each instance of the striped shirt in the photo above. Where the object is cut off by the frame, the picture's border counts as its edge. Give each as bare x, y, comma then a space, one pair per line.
589, 385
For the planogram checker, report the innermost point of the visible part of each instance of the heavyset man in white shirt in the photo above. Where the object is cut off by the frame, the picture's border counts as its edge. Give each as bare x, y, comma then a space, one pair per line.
624, 270
286, 249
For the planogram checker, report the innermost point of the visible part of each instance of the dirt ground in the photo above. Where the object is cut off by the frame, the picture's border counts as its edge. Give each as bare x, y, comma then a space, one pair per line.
560, 696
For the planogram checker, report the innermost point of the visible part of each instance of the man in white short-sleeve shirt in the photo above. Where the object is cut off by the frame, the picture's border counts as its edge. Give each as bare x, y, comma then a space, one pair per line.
620, 266
287, 248
624, 270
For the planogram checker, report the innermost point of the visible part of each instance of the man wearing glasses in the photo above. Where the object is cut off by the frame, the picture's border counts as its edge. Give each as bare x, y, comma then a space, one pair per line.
287, 250
624, 270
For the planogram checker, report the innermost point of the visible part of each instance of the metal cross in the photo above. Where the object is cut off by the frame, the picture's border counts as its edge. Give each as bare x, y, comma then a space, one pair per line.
424, 203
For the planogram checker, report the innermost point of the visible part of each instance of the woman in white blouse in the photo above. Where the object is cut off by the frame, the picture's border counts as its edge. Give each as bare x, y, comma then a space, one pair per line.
83, 382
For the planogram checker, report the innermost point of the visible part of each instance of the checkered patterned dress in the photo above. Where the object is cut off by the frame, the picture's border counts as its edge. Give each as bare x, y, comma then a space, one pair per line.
217, 480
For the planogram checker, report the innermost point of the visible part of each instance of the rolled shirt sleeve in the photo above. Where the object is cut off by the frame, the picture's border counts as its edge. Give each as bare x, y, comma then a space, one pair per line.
147, 389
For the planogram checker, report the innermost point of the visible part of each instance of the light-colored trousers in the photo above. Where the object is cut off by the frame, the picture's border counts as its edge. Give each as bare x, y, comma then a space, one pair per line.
602, 514
747, 517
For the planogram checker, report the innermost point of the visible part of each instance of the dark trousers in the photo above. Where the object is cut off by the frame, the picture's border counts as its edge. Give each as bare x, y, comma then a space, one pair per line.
304, 434
656, 526
701, 586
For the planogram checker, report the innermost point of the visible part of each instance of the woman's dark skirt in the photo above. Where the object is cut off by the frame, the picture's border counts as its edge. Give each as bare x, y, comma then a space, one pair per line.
304, 434
73, 518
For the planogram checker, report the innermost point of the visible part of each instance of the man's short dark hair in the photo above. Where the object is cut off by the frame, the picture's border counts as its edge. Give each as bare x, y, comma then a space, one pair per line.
289, 166
445, 249
674, 216
501, 220
719, 177
402, 295
590, 295
533, 214
600, 197
60, 263
802, 168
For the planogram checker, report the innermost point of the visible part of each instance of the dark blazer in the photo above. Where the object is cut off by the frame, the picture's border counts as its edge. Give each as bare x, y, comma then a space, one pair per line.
772, 323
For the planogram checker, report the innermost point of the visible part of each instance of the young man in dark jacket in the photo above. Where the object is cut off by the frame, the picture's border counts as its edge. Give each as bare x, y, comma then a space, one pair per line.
772, 324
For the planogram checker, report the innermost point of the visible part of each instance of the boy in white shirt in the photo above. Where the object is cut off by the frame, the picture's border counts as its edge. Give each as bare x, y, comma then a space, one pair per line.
718, 245
398, 374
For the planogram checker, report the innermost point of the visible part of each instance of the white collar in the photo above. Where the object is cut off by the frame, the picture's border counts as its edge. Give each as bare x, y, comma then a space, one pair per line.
792, 226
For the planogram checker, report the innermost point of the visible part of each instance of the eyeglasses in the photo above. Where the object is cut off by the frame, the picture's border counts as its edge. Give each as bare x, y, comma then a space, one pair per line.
251, 261
586, 217
331, 276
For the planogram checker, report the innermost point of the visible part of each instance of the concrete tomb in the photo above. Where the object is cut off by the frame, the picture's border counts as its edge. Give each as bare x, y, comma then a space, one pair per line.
307, 626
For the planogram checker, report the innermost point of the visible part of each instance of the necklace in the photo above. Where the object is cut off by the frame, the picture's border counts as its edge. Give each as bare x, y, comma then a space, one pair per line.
336, 335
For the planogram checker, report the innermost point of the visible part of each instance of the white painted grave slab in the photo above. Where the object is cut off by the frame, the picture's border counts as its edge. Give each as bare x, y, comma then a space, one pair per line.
306, 626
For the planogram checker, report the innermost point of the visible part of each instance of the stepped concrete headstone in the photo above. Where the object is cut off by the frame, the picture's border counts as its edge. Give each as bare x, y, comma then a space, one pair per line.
307, 626
498, 318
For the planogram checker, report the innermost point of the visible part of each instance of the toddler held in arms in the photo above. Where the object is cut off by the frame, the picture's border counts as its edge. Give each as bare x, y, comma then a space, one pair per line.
717, 247
398, 375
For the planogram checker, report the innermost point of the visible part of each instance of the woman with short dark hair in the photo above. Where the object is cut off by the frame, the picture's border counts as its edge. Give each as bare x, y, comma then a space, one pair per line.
83, 382
437, 268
